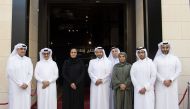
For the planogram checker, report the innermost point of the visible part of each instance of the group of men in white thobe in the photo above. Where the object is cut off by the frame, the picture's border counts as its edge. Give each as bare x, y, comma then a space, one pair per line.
146, 75
155, 82
20, 72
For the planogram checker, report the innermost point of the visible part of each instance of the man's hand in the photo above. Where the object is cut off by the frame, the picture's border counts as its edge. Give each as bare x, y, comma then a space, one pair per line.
122, 86
142, 91
98, 82
73, 86
24, 86
45, 84
167, 83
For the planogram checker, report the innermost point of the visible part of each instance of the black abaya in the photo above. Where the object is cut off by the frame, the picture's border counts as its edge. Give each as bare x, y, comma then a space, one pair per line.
73, 71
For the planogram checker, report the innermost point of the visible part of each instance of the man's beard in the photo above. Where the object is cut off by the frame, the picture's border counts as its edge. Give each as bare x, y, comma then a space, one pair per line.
165, 52
99, 57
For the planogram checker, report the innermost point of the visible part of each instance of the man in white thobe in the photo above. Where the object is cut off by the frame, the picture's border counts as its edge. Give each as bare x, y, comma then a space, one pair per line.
113, 57
46, 74
168, 70
99, 71
19, 72
143, 76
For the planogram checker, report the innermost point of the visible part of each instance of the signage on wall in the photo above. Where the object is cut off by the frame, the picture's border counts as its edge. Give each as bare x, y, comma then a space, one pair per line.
85, 50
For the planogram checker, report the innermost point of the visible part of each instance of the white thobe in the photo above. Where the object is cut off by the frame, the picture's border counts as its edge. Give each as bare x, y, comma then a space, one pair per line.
114, 61
99, 95
19, 71
46, 71
143, 75
168, 68
111, 99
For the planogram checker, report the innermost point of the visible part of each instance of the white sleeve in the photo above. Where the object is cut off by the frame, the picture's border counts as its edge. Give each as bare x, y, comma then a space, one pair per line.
160, 78
152, 77
133, 79
11, 73
36, 73
91, 73
55, 73
30, 72
177, 70
107, 76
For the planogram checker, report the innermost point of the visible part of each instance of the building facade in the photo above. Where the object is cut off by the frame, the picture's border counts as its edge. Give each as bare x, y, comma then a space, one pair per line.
147, 22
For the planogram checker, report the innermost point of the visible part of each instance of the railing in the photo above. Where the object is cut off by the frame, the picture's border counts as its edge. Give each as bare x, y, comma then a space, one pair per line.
188, 98
187, 92
3, 103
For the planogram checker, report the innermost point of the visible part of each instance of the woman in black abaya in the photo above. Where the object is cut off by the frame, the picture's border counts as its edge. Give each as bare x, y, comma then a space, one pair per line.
73, 73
